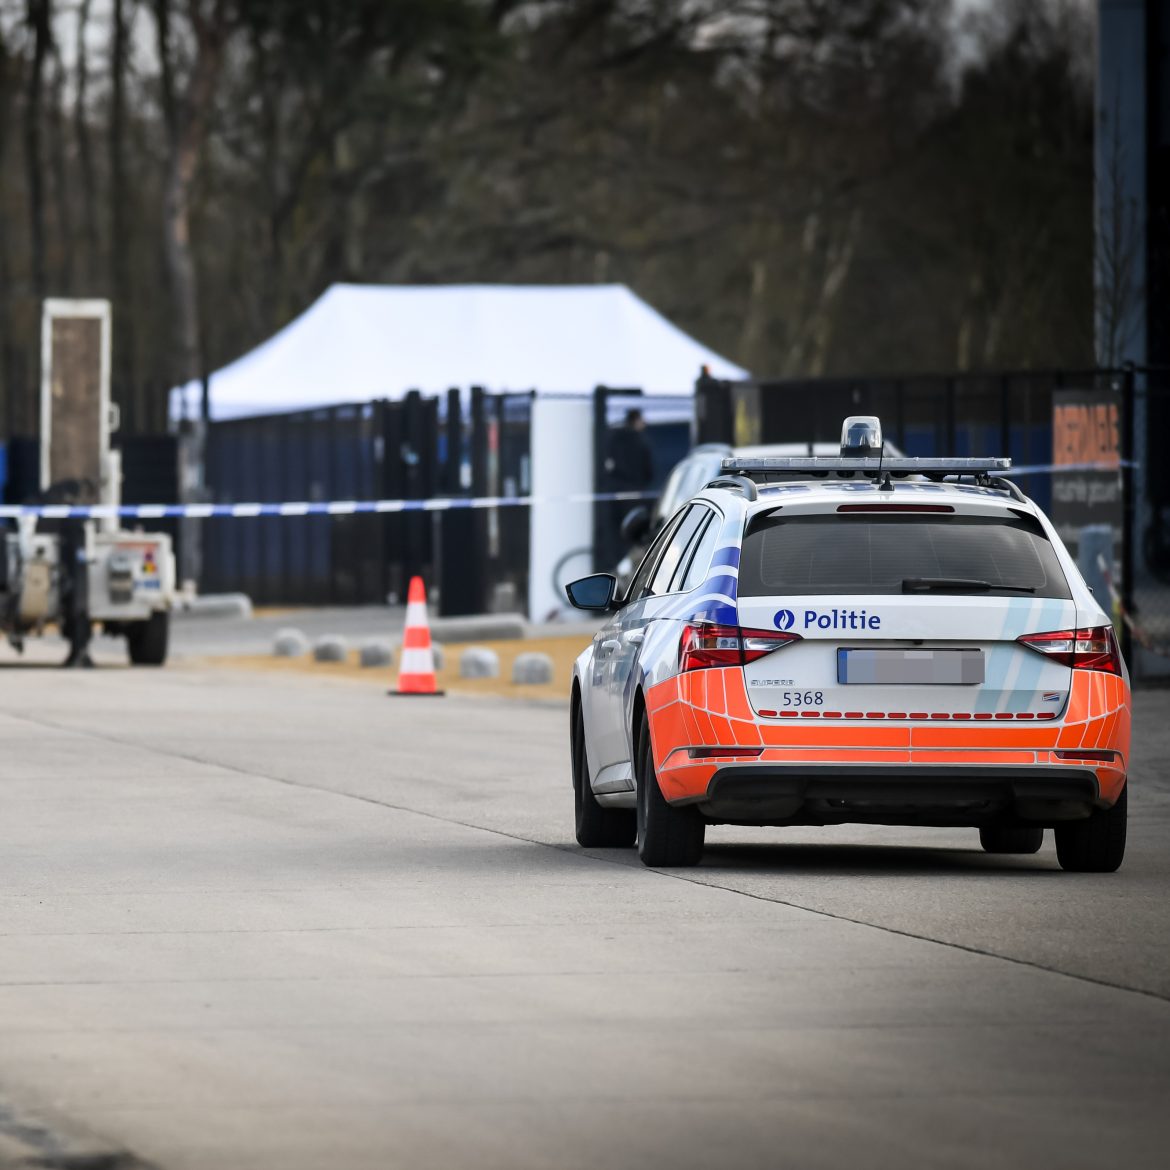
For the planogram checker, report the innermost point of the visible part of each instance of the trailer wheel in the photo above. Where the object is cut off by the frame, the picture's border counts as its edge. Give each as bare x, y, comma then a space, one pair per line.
147, 640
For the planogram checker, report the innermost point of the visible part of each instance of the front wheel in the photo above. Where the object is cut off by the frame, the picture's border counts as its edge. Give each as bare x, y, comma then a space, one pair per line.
668, 836
597, 827
147, 641
1096, 844
1011, 838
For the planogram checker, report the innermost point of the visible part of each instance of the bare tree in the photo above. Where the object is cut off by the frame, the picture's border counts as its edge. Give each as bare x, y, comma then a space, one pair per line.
807, 186
62, 203
119, 194
81, 124
40, 20
187, 115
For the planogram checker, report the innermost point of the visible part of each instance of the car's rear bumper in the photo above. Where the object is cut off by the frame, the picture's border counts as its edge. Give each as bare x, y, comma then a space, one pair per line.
702, 725
770, 793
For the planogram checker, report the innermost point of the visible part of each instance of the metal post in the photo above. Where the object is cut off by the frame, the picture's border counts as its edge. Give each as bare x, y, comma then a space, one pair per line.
601, 510
413, 426
393, 487
480, 518
330, 471
952, 394
454, 436
1128, 507
479, 443
1005, 413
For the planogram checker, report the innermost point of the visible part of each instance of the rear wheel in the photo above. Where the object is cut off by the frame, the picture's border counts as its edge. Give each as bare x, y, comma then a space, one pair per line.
668, 836
1011, 838
597, 827
147, 641
1096, 844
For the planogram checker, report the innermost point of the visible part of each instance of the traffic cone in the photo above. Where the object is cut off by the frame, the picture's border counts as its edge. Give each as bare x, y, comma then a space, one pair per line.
416, 671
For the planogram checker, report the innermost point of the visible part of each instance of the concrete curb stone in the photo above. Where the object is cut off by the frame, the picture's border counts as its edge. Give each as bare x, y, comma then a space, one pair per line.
330, 648
375, 653
479, 662
532, 669
290, 643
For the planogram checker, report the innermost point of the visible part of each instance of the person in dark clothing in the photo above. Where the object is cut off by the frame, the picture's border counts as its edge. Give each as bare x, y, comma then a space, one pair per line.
628, 461
629, 467
74, 577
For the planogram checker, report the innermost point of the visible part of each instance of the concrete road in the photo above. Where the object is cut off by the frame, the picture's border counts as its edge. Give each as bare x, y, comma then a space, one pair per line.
252, 922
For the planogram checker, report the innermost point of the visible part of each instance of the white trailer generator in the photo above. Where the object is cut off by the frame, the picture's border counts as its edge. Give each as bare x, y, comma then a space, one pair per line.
72, 571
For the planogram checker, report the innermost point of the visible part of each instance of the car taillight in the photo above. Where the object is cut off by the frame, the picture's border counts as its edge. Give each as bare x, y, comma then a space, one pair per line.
706, 644
1084, 649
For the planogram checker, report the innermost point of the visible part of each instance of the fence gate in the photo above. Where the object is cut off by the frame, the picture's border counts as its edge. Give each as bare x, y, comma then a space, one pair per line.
377, 450
418, 448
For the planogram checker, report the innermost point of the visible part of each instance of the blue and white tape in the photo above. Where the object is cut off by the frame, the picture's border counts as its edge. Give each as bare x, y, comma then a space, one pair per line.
303, 507
378, 507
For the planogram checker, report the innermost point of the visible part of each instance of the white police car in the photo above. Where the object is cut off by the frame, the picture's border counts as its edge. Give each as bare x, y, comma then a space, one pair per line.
814, 641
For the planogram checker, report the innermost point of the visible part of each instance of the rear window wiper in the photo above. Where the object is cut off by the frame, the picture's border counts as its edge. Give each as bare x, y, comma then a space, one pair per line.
959, 584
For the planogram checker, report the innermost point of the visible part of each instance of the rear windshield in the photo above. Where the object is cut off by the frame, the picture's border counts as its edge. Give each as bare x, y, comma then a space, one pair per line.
843, 554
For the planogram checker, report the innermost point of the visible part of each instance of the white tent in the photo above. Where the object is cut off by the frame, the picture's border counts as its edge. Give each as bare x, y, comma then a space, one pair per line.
361, 342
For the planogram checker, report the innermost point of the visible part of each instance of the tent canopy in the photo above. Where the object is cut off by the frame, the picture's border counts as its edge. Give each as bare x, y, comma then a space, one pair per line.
361, 342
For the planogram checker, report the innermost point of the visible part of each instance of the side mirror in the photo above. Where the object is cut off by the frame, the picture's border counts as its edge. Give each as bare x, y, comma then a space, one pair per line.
635, 525
593, 593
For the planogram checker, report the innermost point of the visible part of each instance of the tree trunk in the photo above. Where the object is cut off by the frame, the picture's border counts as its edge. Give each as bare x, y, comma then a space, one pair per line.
89, 200
124, 354
188, 132
837, 266
40, 21
59, 144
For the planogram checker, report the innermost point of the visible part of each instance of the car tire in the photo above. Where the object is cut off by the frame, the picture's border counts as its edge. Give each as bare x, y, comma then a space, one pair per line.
596, 827
1095, 844
1011, 838
147, 641
668, 836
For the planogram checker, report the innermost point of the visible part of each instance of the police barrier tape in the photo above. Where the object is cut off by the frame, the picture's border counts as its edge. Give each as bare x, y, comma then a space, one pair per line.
303, 507
385, 507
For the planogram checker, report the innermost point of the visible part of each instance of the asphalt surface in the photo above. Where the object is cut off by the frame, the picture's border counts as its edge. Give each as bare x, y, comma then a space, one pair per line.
258, 921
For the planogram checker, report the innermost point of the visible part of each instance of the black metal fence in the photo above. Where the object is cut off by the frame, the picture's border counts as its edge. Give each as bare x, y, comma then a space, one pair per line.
319, 455
418, 448
1144, 572
1004, 413
475, 445
1117, 521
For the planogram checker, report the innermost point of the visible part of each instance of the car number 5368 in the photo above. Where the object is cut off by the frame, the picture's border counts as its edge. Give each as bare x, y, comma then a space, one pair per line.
803, 698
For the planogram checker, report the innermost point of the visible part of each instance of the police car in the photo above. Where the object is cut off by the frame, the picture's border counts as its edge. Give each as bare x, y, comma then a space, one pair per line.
853, 639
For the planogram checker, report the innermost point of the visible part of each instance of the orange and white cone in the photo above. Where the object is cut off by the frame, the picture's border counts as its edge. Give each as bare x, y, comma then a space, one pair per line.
416, 671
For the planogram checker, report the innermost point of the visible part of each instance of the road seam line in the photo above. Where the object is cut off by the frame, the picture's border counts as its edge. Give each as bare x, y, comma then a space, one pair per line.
967, 949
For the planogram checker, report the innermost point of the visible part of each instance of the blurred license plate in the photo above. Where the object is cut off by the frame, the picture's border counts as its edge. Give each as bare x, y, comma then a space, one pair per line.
929, 667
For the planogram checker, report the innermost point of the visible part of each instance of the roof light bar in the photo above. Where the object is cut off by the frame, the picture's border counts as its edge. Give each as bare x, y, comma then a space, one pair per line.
830, 463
